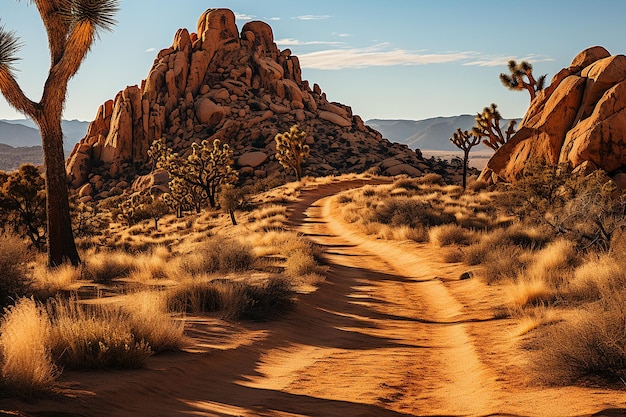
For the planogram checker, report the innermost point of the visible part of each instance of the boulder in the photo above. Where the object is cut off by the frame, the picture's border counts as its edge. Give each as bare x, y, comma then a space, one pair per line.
208, 112
335, 118
252, 159
578, 119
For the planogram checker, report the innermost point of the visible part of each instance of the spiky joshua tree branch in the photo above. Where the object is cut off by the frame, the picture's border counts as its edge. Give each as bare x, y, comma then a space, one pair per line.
465, 141
521, 78
488, 126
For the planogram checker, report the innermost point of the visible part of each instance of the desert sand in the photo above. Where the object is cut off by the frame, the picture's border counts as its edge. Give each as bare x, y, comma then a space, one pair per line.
392, 331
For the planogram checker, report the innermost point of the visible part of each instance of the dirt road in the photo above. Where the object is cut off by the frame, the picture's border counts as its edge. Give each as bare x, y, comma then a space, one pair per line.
391, 332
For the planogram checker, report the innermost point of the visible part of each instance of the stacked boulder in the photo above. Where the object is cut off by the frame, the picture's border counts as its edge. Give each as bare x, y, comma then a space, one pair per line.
579, 119
240, 88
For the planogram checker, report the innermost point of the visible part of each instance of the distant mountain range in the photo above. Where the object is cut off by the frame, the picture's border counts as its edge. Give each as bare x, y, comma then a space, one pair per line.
20, 142
23, 132
427, 134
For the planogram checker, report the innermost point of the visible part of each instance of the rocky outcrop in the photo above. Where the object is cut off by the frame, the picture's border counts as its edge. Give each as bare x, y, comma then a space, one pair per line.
579, 119
238, 87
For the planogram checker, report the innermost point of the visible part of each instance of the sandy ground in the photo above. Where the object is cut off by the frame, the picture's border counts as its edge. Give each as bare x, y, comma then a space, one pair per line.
391, 332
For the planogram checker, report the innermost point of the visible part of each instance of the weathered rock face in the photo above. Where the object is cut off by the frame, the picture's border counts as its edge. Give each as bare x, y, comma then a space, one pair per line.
236, 87
580, 118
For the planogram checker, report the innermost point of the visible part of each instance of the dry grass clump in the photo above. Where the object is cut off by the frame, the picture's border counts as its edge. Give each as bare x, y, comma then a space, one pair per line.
601, 273
268, 218
591, 344
219, 254
450, 234
94, 336
235, 300
15, 279
25, 333
104, 267
52, 281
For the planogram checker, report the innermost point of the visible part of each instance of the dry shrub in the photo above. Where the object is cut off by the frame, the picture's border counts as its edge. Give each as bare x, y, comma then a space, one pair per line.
14, 278
54, 280
453, 255
196, 297
554, 264
591, 345
219, 255
505, 263
600, 274
235, 300
300, 263
152, 322
404, 211
450, 234
416, 234
94, 336
530, 291
104, 267
27, 364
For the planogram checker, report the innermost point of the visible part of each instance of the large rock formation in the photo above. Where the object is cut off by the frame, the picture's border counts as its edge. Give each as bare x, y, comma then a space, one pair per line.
238, 87
579, 119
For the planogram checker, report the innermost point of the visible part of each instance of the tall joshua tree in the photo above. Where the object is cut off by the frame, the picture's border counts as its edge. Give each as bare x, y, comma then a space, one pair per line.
488, 125
465, 141
521, 78
72, 27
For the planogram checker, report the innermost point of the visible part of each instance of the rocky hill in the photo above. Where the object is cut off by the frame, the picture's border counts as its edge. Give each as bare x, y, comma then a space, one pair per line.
579, 119
235, 86
428, 134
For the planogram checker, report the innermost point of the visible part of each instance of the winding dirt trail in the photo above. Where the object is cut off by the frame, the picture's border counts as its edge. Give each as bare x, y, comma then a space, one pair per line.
391, 332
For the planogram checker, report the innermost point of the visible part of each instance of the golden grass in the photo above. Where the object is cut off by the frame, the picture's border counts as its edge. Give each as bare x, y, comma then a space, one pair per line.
25, 332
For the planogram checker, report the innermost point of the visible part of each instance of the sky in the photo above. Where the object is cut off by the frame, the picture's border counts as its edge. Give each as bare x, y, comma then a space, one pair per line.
392, 59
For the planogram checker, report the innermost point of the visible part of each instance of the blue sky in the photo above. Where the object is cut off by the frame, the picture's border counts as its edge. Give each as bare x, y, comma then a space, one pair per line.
393, 59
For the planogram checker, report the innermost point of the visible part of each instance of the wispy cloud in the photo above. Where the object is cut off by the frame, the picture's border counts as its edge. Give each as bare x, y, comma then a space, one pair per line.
377, 56
313, 17
244, 16
383, 55
296, 42
150, 50
499, 61
274, 18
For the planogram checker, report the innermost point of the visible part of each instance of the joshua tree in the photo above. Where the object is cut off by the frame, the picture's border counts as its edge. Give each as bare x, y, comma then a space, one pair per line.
516, 80
488, 125
291, 151
201, 175
465, 141
72, 27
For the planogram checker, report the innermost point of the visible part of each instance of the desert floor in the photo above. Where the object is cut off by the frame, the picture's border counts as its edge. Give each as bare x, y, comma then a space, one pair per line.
391, 332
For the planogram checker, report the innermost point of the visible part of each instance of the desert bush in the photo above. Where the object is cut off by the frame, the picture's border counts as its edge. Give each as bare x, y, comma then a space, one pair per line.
235, 300
267, 300
27, 364
530, 291
94, 337
219, 254
14, 277
555, 263
104, 267
196, 297
602, 273
300, 263
450, 234
593, 344
409, 212
505, 263
152, 322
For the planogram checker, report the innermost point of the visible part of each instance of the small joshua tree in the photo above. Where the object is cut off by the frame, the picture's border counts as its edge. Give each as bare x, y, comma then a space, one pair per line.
202, 174
465, 141
291, 150
521, 78
488, 126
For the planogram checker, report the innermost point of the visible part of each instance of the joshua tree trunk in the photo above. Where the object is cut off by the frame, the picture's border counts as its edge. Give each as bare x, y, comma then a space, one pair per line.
61, 246
232, 217
72, 28
465, 161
